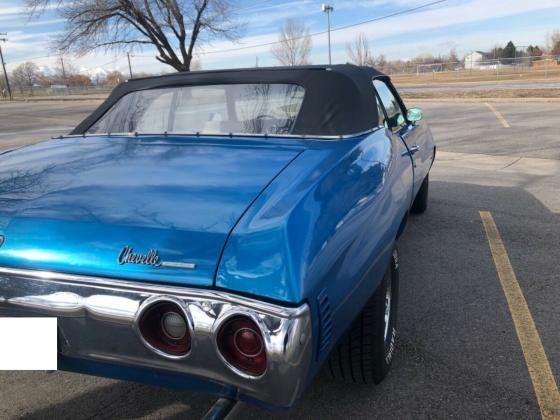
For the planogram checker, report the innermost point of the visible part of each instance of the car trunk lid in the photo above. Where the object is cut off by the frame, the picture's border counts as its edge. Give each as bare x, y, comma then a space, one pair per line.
142, 208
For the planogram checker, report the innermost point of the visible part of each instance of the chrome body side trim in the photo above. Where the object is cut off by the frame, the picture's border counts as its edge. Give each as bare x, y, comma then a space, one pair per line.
177, 264
209, 135
97, 321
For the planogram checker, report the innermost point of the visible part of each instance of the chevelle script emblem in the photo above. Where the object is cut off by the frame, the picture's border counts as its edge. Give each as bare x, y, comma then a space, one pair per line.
128, 256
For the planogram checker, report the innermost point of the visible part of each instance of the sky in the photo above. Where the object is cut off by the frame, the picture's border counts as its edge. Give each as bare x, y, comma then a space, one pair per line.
465, 25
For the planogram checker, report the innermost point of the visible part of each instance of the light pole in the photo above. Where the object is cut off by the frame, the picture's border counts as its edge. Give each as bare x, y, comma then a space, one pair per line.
129, 65
4, 67
327, 8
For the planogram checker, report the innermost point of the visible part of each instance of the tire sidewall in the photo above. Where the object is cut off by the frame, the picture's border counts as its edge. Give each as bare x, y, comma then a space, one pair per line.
365, 353
390, 340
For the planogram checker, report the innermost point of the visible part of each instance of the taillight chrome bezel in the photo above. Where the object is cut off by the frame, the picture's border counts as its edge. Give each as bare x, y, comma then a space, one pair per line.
222, 320
150, 303
110, 307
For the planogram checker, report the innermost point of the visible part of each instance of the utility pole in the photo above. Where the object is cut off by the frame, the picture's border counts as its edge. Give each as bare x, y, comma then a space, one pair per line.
63, 70
129, 65
4, 66
328, 9
64, 75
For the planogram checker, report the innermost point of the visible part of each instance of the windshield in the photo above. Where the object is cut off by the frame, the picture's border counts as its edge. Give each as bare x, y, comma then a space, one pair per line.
209, 109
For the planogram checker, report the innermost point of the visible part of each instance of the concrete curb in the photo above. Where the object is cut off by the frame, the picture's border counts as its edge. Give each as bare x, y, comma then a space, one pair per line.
474, 82
519, 100
56, 99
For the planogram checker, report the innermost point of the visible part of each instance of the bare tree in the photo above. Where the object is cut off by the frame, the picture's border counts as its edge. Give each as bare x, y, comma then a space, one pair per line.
26, 75
114, 77
64, 69
554, 42
79, 80
453, 57
359, 52
294, 46
3, 90
173, 27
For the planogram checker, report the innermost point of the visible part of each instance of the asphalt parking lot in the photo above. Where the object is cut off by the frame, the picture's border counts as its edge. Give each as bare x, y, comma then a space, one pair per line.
27, 122
458, 355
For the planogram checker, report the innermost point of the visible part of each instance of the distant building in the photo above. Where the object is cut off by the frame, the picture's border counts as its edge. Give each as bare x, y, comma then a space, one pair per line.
58, 89
479, 60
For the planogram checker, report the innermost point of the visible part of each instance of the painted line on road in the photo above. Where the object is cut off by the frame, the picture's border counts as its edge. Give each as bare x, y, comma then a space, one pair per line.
542, 377
498, 115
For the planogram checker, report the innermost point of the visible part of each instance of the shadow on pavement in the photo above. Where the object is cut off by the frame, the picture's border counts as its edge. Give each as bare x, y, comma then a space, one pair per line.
458, 353
125, 400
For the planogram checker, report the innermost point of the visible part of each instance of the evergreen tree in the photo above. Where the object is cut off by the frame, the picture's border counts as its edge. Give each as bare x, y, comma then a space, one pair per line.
509, 50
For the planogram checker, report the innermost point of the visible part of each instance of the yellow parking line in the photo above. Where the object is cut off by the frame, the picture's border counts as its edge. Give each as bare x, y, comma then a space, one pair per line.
498, 115
543, 380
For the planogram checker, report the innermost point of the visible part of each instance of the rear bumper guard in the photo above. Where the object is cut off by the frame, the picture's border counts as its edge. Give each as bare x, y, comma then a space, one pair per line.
97, 320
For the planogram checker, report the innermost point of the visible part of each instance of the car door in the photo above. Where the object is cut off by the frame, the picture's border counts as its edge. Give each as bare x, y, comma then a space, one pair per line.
414, 135
402, 171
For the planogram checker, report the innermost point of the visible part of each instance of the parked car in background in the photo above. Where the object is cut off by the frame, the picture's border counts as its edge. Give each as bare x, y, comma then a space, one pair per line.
228, 231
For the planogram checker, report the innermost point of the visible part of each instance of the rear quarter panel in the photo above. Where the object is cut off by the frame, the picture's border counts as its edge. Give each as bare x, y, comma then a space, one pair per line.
326, 226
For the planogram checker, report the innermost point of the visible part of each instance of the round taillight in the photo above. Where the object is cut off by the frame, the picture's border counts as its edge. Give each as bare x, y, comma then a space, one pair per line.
163, 326
241, 344
173, 325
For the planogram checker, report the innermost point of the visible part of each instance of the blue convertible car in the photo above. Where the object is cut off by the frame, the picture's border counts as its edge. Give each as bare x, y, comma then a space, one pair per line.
227, 231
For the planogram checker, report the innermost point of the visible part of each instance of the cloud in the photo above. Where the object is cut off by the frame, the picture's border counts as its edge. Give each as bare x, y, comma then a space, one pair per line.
14, 10
425, 23
29, 23
5, 11
278, 13
430, 30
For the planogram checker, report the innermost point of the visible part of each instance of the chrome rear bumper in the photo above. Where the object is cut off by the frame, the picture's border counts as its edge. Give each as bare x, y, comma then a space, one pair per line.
97, 318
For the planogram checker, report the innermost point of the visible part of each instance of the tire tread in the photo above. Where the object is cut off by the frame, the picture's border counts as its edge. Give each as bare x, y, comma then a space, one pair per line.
359, 356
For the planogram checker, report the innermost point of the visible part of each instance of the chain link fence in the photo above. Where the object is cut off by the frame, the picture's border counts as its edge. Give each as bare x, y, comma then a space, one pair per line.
62, 91
475, 67
541, 67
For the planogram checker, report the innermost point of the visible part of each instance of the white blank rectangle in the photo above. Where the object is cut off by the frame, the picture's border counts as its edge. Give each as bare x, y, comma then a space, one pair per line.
28, 343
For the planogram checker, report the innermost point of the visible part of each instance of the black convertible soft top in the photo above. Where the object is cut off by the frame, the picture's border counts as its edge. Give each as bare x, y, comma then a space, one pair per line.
339, 99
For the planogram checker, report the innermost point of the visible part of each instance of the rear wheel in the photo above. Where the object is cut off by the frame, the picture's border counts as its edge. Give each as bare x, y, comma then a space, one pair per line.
420, 203
365, 352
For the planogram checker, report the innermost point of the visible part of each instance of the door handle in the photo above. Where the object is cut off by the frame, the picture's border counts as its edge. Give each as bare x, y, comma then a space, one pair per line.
413, 149
410, 151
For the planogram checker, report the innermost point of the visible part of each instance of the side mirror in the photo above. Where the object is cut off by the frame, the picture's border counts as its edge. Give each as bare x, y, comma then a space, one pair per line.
414, 115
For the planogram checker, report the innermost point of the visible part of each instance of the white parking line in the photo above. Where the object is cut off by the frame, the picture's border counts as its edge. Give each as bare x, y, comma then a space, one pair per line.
498, 115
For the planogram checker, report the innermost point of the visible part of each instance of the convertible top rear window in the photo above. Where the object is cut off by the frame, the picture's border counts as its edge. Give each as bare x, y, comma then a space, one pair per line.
339, 100
249, 108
